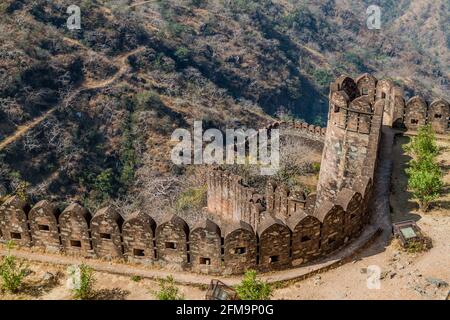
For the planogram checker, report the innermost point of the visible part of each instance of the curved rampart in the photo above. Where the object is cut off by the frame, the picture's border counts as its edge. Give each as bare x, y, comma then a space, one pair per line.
208, 247
279, 229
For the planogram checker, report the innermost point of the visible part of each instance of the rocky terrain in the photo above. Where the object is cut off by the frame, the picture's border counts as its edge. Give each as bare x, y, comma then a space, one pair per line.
87, 114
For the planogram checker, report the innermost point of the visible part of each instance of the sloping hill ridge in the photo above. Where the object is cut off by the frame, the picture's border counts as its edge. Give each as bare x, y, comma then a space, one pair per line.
139, 69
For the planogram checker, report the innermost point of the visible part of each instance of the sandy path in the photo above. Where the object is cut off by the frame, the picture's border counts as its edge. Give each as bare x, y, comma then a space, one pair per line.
106, 287
22, 130
120, 61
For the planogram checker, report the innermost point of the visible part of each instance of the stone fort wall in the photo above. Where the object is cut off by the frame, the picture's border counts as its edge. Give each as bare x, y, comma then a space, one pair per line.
275, 230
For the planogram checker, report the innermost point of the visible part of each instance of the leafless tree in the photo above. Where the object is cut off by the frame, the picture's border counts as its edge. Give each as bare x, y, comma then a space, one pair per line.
30, 141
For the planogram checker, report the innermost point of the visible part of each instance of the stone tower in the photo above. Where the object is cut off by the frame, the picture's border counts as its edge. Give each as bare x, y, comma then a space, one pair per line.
353, 131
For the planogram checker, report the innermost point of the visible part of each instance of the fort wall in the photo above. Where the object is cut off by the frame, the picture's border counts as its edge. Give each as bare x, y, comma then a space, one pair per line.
277, 229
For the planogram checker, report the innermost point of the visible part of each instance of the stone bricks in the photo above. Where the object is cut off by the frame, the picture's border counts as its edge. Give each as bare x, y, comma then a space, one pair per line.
364, 187
74, 225
332, 233
239, 247
305, 244
367, 86
347, 85
106, 233
205, 242
438, 116
274, 244
138, 232
416, 113
352, 204
14, 221
172, 241
277, 200
44, 226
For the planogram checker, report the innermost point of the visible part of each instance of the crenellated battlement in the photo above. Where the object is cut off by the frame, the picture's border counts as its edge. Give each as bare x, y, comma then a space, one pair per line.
271, 229
214, 247
357, 98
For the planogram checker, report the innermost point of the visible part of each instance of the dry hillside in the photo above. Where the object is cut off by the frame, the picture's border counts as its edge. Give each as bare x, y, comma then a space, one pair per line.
87, 114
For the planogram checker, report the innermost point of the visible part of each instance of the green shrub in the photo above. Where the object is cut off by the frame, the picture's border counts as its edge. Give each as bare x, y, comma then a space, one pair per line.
176, 29
193, 198
252, 289
424, 175
168, 290
136, 278
355, 60
103, 185
423, 145
417, 246
182, 53
21, 190
12, 272
323, 77
199, 3
128, 156
163, 63
301, 19
285, 114
148, 100
243, 6
315, 167
82, 280
425, 181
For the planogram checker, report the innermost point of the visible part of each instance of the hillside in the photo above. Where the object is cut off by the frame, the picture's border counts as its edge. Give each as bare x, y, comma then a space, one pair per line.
87, 114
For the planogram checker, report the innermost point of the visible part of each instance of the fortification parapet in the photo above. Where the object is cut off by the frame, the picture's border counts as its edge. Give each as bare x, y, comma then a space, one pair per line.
106, 226
353, 132
205, 247
138, 232
305, 240
439, 115
75, 231
43, 218
274, 244
416, 113
240, 247
332, 217
352, 204
13, 221
275, 230
172, 241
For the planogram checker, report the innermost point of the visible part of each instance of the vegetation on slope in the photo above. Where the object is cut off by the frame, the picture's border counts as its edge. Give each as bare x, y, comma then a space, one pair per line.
105, 99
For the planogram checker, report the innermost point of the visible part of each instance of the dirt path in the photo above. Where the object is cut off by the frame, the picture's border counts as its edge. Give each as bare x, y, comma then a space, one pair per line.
22, 130
107, 286
119, 61
140, 3
335, 260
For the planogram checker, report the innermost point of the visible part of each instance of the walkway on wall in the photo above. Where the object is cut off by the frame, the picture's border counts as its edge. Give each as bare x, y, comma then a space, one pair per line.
382, 183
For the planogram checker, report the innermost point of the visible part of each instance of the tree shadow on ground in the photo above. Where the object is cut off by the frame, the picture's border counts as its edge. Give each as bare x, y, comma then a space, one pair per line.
38, 288
110, 294
442, 205
402, 206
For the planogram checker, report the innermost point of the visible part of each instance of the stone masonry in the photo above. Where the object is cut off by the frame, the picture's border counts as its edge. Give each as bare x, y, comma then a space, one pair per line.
278, 229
